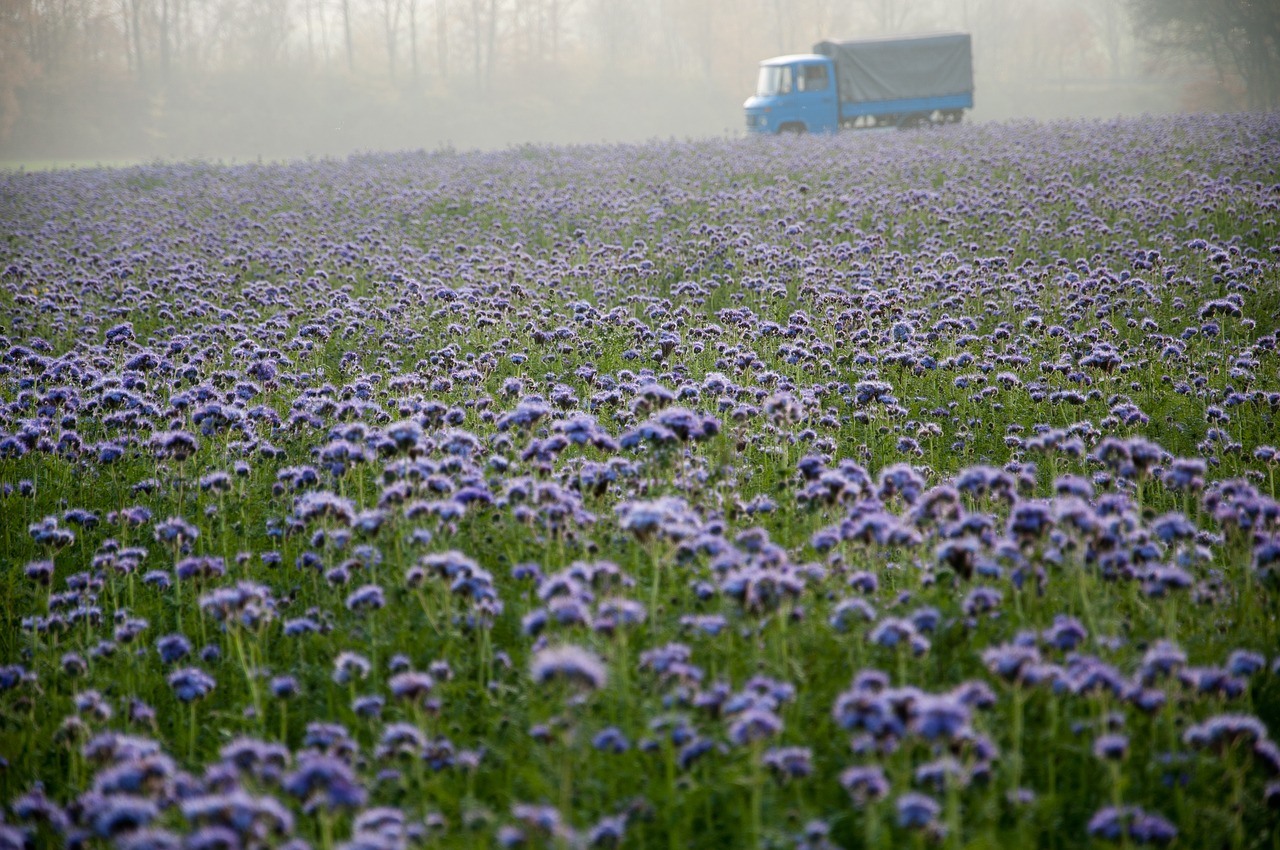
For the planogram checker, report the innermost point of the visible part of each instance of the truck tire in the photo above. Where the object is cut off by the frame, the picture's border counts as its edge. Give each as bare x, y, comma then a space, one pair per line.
913, 120
793, 127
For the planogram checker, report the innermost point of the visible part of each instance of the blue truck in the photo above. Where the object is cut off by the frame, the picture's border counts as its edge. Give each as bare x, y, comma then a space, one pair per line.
900, 82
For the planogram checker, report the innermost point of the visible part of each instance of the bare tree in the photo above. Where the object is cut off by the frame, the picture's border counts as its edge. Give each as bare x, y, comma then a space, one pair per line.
1108, 18
134, 19
481, 22
390, 13
413, 39
1236, 36
18, 69
442, 38
346, 33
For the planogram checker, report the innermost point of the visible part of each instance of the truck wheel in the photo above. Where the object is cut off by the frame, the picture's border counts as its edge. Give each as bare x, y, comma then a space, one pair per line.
912, 121
795, 128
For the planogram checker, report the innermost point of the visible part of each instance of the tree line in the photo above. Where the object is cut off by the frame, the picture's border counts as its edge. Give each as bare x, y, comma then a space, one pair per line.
94, 65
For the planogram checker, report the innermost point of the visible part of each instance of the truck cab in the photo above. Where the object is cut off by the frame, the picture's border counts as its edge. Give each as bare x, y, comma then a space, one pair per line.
900, 81
794, 94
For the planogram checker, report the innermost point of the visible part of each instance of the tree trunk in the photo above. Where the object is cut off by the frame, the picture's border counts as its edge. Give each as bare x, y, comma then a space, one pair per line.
311, 45
136, 17
346, 31
475, 42
442, 39
555, 32
413, 38
391, 25
163, 38
492, 39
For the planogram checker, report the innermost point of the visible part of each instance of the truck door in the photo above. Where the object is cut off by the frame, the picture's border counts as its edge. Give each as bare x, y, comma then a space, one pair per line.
816, 97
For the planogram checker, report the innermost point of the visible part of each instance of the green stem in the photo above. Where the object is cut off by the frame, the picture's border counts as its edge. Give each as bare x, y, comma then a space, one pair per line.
757, 795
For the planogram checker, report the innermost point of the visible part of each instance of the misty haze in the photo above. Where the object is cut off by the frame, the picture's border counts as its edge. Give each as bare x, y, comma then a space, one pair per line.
120, 79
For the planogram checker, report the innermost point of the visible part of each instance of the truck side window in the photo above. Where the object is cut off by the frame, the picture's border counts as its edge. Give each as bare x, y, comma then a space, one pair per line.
815, 78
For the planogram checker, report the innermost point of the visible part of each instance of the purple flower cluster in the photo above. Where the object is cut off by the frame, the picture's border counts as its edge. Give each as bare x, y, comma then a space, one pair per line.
481, 481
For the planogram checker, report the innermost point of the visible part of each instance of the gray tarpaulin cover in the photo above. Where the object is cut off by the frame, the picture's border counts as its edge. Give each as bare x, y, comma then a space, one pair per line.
894, 68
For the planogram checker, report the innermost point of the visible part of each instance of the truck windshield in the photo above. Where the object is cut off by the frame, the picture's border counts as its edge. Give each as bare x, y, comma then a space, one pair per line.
774, 79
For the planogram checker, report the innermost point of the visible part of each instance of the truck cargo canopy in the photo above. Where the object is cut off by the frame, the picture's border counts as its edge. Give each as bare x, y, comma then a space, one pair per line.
897, 68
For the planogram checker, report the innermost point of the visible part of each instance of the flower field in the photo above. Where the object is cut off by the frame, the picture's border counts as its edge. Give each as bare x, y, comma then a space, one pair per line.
885, 490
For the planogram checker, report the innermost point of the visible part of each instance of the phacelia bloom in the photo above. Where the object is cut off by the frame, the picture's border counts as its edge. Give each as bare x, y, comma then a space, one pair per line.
323, 781
607, 832
1065, 634
316, 504
754, 724
1111, 747
917, 811
190, 684
1225, 730
865, 784
366, 598
349, 666
933, 717
175, 445
411, 685
610, 740
198, 567
571, 664
1114, 824
788, 763
173, 647
1245, 663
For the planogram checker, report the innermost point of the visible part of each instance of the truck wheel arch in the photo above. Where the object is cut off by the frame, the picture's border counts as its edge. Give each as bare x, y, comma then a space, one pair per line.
796, 127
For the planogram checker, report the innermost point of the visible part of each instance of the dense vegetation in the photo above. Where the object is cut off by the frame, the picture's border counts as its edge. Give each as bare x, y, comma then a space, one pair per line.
858, 491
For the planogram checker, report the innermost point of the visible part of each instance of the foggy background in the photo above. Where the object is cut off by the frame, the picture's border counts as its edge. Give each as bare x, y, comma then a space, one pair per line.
103, 80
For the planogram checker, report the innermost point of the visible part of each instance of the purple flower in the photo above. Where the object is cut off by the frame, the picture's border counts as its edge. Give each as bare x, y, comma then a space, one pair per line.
610, 740
173, 647
571, 664
1065, 634
411, 685
1114, 824
607, 832
316, 505
788, 763
917, 811
933, 717
1225, 730
177, 445
323, 781
865, 784
348, 666
1111, 747
369, 597
190, 684
754, 724
112, 815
